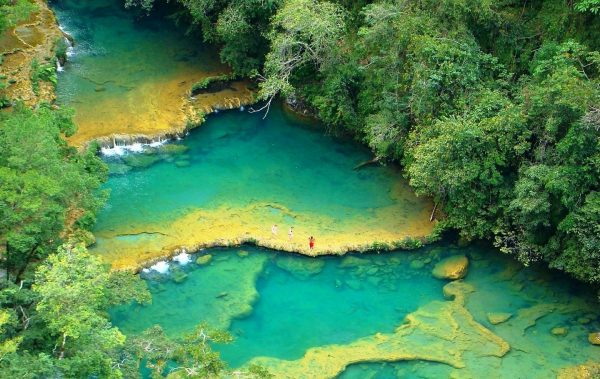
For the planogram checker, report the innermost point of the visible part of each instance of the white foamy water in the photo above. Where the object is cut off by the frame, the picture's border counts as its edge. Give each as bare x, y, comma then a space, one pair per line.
160, 267
182, 259
137, 147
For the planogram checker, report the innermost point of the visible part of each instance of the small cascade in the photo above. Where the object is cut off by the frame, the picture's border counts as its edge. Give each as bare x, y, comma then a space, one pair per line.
183, 258
120, 149
161, 267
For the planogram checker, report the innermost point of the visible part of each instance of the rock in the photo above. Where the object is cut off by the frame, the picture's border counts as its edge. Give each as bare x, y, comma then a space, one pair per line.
204, 259
222, 295
498, 318
354, 262
417, 264
583, 320
454, 267
559, 331
300, 267
242, 253
182, 164
594, 338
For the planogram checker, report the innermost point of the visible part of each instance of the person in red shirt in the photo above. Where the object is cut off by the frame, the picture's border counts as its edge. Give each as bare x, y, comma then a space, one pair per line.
311, 242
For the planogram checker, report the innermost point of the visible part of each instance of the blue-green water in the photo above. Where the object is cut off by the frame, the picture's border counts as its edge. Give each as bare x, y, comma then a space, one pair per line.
306, 302
275, 304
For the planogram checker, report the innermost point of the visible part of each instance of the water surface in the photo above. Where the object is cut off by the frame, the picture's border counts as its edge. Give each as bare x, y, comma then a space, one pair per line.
279, 305
236, 175
128, 72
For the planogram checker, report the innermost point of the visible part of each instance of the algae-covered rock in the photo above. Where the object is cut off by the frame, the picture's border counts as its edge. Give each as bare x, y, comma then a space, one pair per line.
182, 164
588, 370
417, 264
118, 168
454, 267
203, 259
498, 318
242, 253
300, 267
354, 262
584, 320
559, 331
594, 338
140, 160
178, 276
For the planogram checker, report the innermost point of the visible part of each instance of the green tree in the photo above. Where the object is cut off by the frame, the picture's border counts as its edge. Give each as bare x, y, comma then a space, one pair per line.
42, 180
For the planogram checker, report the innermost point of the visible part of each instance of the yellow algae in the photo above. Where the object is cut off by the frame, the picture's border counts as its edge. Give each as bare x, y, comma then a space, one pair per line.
440, 331
158, 107
19, 46
230, 226
454, 267
589, 370
498, 318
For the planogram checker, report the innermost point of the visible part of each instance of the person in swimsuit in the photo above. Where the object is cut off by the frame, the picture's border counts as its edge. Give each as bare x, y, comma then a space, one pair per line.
311, 242
291, 232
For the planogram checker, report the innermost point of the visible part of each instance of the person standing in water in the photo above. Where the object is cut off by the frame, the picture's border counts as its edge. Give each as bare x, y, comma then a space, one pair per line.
291, 233
274, 229
311, 242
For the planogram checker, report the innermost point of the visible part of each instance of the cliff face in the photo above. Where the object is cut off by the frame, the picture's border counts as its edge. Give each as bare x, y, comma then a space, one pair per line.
31, 41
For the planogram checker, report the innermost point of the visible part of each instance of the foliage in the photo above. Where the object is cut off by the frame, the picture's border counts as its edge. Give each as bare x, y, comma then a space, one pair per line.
238, 27
205, 83
42, 72
41, 180
60, 323
189, 357
12, 12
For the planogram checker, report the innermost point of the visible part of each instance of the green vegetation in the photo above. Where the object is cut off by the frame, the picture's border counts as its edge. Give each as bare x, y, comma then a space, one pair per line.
208, 82
492, 107
14, 11
45, 72
54, 295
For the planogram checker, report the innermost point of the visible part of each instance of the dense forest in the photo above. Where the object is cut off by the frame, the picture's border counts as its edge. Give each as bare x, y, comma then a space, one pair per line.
493, 108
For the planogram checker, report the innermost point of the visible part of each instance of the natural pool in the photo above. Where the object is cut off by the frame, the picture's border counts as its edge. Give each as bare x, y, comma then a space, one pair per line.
130, 73
236, 175
345, 310
229, 181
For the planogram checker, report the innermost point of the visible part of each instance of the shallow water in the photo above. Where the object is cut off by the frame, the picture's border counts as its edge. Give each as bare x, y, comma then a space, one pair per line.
279, 305
128, 73
238, 174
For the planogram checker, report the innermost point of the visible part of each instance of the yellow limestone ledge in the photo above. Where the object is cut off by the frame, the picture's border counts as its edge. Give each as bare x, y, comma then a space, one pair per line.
387, 227
158, 108
19, 46
440, 331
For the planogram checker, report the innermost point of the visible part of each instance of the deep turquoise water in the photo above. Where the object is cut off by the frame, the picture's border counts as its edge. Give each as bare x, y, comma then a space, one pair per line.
305, 302
276, 304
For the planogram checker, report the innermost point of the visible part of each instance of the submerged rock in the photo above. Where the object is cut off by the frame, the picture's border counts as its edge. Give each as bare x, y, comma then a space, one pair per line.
417, 264
454, 267
584, 320
498, 318
354, 262
300, 267
594, 338
242, 253
204, 259
559, 331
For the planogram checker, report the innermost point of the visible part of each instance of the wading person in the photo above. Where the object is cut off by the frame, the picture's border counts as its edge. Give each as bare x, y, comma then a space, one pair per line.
291, 233
274, 229
311, 242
